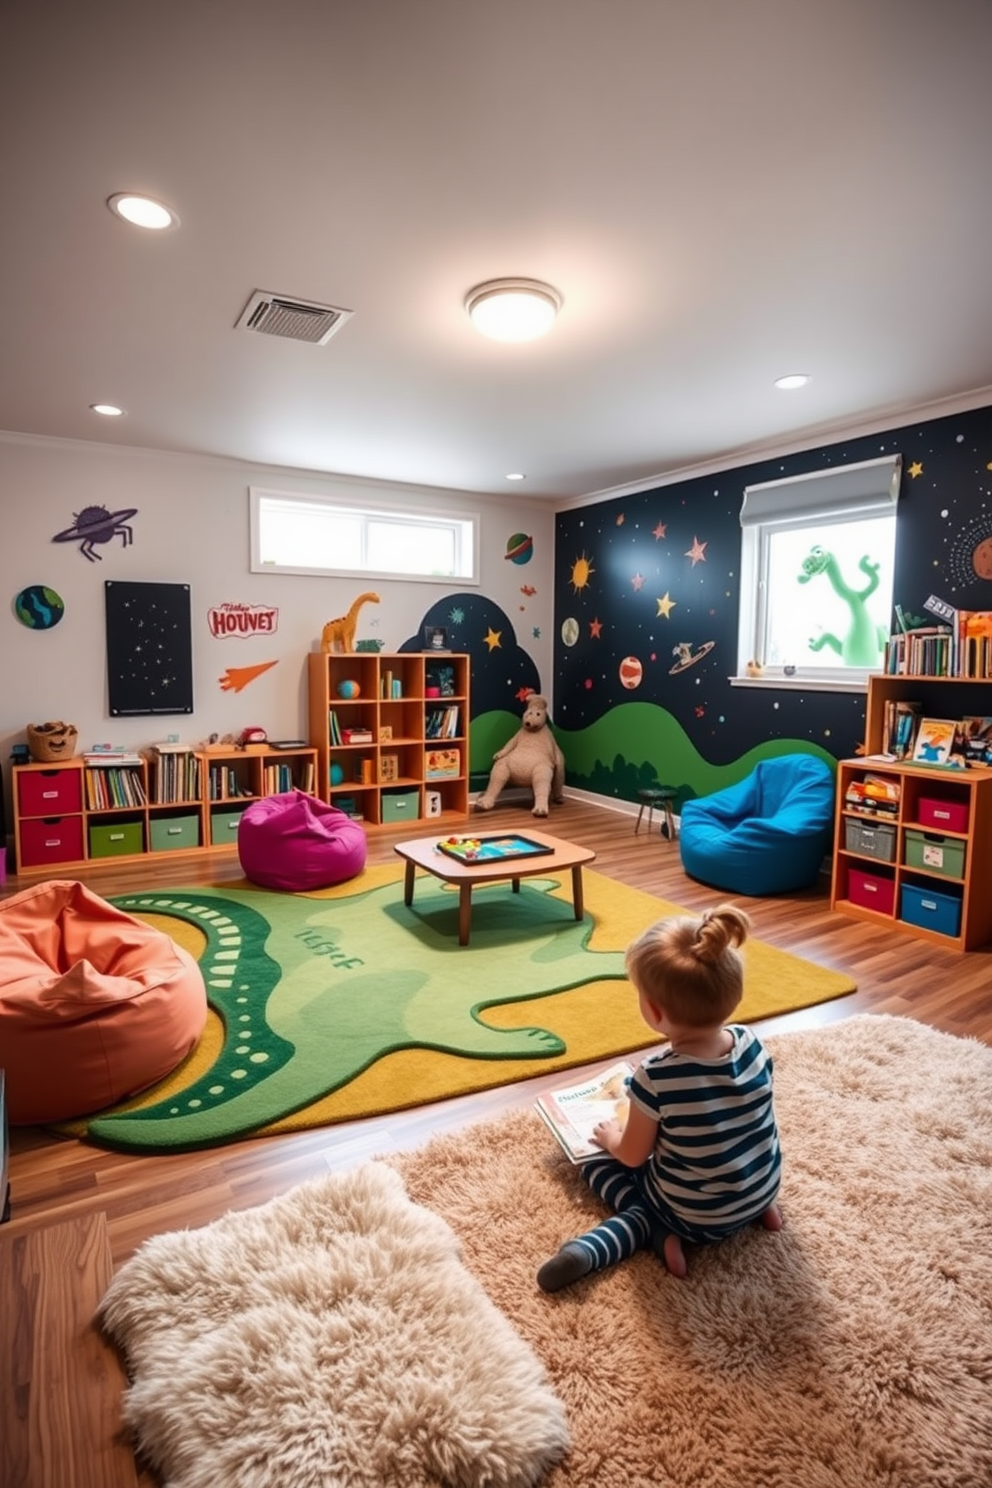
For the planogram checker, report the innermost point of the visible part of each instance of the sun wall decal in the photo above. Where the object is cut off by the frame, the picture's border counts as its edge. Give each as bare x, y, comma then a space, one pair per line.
582, 572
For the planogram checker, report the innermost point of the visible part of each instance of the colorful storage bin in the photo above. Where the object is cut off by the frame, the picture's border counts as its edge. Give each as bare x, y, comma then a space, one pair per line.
116, 839
49, 792
935, 853
871, 890
400, 806
871, 839
951, 816
55, 839
932, 910
171, 833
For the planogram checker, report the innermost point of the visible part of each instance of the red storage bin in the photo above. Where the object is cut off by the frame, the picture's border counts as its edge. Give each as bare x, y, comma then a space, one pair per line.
57, 839
950, 816
871, 890
49, 792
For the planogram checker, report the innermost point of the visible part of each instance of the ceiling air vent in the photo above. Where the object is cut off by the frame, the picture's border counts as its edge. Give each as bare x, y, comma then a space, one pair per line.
294, 320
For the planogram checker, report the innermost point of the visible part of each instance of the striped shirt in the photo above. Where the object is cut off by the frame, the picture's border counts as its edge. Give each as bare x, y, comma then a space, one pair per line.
716, 1163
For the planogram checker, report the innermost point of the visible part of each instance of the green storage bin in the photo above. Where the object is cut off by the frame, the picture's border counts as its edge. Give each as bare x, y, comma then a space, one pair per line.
935, 853
116, 839
400, 806
170, 833
224, 827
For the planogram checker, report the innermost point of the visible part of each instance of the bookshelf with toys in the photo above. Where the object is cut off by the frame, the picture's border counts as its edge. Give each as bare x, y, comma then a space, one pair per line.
168, 798
912, 833
380, 723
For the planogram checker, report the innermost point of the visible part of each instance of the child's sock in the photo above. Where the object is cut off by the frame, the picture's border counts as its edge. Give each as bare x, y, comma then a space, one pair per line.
571, 1262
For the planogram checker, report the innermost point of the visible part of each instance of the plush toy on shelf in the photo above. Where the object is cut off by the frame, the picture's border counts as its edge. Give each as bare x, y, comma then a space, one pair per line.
531, 757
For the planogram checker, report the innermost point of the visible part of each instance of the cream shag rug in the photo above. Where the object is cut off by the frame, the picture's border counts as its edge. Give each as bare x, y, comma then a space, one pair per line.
329, 1337
853, 1350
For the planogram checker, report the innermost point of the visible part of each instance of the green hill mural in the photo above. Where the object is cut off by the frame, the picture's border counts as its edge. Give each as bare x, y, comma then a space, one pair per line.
633, 747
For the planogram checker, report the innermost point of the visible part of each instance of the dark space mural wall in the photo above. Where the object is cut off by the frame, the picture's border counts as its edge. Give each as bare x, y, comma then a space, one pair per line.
646, 613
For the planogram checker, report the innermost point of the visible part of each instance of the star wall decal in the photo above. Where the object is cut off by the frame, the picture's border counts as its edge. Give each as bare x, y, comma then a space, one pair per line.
666, 605
493, 639
638, 581
595, 629
915, 469
697, 552
659, 532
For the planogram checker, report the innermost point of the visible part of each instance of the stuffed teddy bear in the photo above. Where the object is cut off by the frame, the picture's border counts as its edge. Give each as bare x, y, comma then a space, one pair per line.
531, 757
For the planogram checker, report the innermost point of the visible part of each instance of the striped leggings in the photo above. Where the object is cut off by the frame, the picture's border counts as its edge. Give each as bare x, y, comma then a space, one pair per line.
637, 1222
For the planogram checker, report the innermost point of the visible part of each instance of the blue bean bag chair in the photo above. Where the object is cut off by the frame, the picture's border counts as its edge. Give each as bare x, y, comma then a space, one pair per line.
768, 833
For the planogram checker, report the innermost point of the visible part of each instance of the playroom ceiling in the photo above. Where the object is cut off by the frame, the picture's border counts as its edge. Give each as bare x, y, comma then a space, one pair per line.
722, 191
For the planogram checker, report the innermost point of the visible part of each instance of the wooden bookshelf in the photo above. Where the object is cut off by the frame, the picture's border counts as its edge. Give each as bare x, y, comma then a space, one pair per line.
920, 868
375, 749
63, 816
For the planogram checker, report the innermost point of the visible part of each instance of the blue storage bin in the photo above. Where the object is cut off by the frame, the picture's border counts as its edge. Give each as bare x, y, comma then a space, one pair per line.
934, 911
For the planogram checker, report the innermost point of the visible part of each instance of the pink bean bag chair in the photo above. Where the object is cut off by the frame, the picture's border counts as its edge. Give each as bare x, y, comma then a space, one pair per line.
94, 1004
295, 842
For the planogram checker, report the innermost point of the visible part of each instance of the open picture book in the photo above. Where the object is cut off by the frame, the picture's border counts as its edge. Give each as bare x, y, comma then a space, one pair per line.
574, 1111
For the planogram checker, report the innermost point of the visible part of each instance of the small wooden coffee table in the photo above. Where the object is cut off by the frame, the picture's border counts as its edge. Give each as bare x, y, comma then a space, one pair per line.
424, 853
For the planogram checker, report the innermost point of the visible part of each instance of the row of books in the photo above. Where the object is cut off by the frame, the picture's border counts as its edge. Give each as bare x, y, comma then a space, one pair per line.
958, 646
113, 785
442, 723
281, 778
223, 784
175, 777
953, 742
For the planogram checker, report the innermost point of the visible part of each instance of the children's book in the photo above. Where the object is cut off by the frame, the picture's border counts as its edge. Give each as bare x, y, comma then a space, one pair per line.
935, 742
574, 1111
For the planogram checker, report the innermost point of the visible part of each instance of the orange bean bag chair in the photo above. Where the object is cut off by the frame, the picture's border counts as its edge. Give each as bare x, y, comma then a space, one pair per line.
94, 1004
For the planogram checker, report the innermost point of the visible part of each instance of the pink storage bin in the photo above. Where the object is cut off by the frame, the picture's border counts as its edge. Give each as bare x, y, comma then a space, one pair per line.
871, 890
950, 816
49, 792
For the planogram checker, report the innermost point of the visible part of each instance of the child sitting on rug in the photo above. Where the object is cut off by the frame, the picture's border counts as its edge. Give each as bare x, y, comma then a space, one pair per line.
698, 1156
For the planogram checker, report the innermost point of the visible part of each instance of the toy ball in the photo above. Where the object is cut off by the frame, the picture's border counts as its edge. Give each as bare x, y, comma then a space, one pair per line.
348, 688
337, 775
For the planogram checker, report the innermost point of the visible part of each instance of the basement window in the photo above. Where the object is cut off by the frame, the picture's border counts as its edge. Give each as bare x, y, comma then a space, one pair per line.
817, 564
296, 533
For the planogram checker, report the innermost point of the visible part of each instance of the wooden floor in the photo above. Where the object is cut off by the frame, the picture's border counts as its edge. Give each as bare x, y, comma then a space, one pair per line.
56, 1181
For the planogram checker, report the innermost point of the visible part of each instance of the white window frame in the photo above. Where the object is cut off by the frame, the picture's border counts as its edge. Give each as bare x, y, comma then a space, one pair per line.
464, 526
816, 499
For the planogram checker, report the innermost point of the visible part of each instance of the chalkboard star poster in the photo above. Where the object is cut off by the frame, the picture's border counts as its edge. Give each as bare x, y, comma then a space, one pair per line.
149, 649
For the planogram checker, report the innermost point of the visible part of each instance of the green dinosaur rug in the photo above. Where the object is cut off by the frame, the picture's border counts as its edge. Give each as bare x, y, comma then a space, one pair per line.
345, 1003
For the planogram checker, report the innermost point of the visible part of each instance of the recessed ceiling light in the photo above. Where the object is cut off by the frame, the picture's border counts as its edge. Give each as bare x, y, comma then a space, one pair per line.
516, 475
513, 309
143, 211
109, 410
792, 381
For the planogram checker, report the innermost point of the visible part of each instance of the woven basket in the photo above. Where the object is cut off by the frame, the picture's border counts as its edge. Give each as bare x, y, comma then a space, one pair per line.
51, 742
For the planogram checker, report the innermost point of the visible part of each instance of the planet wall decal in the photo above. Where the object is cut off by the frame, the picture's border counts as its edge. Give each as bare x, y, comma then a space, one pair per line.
570, 631
519, 548
38, 607
631, 672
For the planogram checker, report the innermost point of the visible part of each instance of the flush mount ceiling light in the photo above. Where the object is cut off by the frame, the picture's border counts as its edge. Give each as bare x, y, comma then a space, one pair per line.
516, 475
109, 410
792, 381
142, 211
513, 309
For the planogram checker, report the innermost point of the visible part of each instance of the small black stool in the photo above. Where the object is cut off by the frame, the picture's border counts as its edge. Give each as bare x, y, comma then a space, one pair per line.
660, 796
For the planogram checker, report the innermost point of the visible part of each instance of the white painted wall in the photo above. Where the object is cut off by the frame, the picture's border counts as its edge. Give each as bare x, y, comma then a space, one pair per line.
192, 527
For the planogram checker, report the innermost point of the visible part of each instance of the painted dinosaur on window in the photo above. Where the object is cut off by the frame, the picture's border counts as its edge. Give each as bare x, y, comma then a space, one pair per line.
864, 641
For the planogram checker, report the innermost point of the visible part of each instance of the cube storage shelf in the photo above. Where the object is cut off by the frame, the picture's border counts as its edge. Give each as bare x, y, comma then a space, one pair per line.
189, 801
391, 733
917, 869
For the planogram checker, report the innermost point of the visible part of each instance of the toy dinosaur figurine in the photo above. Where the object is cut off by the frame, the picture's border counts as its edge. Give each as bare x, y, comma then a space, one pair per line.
339, 634
865, 639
